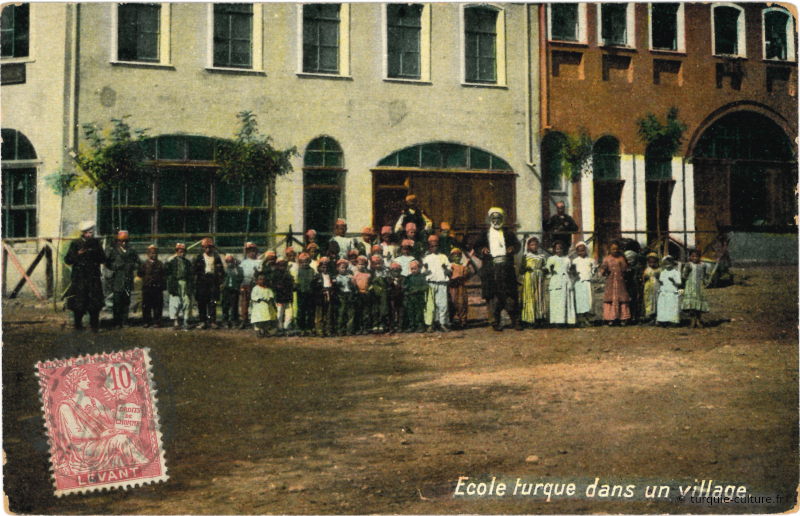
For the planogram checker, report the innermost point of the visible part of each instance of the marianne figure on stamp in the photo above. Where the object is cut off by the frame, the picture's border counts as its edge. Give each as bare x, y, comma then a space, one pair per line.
87, 439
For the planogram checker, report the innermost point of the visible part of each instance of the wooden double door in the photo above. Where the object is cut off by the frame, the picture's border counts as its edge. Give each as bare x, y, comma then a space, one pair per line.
460, 198
607, 212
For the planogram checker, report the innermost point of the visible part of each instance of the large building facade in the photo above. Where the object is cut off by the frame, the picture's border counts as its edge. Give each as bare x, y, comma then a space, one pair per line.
731, 72
465, 105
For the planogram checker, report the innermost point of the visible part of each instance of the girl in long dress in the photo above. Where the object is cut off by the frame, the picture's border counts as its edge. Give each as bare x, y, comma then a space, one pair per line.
562, 294
669, 280
650, 287
534, 302
694, 296
262, 306
616, 301
585, 267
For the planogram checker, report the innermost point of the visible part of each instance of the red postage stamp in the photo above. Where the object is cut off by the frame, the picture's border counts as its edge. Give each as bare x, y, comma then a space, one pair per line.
101, 420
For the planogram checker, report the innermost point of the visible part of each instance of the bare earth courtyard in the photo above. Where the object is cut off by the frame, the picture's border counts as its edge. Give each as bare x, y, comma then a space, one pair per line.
388, 424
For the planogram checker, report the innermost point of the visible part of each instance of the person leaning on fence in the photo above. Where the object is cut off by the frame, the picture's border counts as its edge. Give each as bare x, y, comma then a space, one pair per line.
231, 285
496, 247
153, 274
208, 275
85, 292
251, 266
180, 287
123, 263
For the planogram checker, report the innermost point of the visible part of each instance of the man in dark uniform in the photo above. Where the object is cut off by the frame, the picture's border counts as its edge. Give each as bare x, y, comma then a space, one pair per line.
85, 293
123, 263
208, 275
413, 213
561, 226
496, 248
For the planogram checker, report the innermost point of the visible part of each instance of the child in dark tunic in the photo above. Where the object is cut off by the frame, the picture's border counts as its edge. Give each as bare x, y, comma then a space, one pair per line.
414, 299
153, 274
394, 298
282, 284
307, 286
325, 300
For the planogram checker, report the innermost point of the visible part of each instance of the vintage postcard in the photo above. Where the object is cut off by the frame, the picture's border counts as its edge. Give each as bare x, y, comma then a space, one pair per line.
399, 258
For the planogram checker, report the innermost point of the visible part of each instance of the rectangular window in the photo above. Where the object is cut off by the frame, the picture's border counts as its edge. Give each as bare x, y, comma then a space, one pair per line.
480, 39
321, 38
404, 28
138, 32
775, 35
726, 30
564, 22
664, 26
233, 35
19, 202
15, 30
614, 24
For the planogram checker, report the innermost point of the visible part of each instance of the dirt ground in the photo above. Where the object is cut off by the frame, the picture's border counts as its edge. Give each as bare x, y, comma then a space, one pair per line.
388, 424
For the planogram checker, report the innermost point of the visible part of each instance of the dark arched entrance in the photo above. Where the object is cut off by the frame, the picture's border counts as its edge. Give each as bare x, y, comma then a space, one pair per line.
744, 175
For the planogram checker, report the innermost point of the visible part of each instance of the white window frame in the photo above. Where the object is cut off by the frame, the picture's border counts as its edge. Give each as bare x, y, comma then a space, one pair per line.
582, 36
30, 58
424, 46
344, 44
257, 41
164, 42
500, 46
630, 26
741, 33
681, 28
790, 28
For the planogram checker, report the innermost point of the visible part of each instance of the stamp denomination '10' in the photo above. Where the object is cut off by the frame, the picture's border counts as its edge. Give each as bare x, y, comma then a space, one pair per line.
101, 420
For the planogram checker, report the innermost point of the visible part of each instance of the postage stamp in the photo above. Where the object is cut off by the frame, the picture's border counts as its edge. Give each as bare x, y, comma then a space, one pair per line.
101, 420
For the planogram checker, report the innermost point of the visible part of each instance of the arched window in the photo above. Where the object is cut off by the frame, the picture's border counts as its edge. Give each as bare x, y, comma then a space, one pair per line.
553, 161
729, 30
778, 31
323, 183
19, 185
605, 159
183, 199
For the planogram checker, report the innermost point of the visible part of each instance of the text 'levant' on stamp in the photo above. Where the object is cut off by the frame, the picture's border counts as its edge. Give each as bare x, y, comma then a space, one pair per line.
101, 420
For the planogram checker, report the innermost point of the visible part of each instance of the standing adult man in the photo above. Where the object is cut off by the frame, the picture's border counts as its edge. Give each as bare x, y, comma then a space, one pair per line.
413, 213
85, 293
123, 263
561, 226
496, 248
208, 275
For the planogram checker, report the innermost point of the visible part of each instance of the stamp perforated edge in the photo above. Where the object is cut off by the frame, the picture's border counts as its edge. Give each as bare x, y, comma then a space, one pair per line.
156, 421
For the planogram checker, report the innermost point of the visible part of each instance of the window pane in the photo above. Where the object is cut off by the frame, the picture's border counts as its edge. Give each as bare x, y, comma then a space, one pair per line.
229, 195
775, 25
480, 43
198, 222
431, 156
614, 23
140, 193
171, 187
409, 157
138, 222
14, 30
328, 59
198, 187
199, 148
321, 38
172, 147
138, 32
170, 221
552, 160
564, 23
726, 30
403, 34
455, 156
665, 26
8, 149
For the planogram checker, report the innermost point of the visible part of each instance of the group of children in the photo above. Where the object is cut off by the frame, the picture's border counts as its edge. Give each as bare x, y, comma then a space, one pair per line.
411, 284
653, 292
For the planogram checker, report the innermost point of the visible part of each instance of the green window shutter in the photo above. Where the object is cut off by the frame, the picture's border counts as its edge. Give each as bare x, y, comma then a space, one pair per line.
564, 22
664, 26
726, 30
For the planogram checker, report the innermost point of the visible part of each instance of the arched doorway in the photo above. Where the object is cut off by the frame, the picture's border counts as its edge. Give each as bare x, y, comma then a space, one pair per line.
323, 185
19, 185
453, 182
607, 191
659, 185
744, 177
